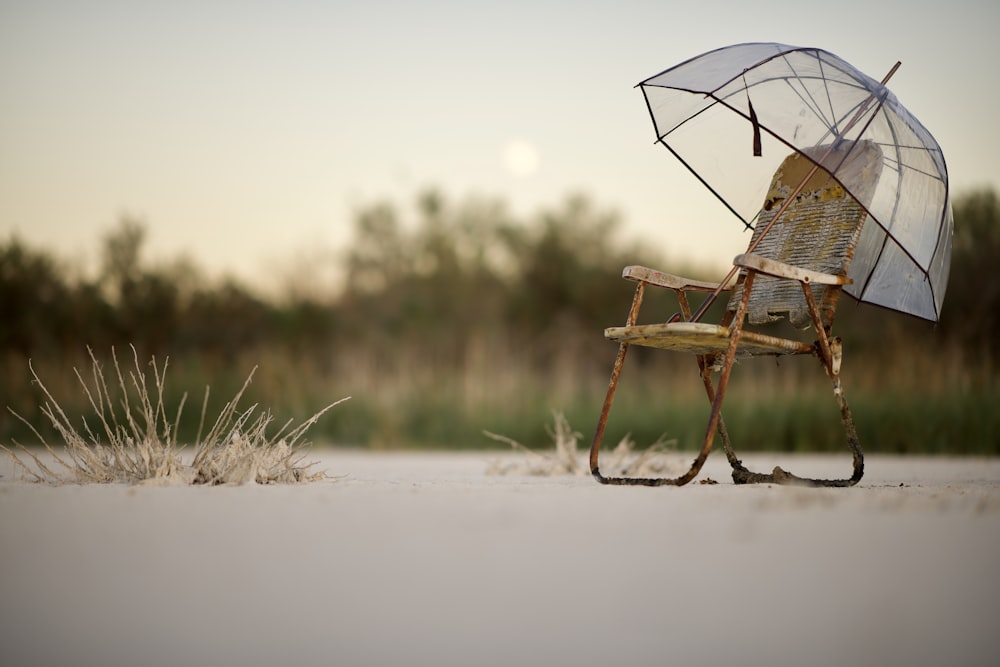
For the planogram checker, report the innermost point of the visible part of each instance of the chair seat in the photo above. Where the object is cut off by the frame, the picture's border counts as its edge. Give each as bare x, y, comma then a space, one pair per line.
701, 338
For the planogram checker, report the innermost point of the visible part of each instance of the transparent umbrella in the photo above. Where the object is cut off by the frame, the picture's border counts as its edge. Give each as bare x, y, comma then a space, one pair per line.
733, 114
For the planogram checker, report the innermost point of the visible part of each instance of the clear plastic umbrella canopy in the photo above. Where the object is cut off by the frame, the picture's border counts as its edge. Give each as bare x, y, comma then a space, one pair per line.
732, 115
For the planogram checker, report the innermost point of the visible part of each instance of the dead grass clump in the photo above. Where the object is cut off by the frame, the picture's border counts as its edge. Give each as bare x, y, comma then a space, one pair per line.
566, 459
136, 441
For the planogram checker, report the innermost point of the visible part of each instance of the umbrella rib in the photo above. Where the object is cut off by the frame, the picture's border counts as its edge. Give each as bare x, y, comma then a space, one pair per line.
900, 164
832, 121
807, 98
889, 234
656, 127
705, 183
829, 100
780, 54
806, 95
892, 218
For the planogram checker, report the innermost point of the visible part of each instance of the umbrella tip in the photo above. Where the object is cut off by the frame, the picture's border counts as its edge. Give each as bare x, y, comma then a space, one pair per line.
892, 71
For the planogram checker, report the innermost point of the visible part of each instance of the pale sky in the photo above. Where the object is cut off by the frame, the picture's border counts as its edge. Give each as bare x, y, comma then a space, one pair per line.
247, 133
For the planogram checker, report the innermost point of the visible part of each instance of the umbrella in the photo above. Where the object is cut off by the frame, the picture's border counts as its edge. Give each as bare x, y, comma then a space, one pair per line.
733, 114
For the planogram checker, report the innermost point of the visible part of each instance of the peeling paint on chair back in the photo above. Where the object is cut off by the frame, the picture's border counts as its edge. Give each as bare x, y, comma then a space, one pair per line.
818, 230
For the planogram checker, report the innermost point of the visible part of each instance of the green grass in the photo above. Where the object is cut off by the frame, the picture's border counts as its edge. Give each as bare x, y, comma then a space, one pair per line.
786, 407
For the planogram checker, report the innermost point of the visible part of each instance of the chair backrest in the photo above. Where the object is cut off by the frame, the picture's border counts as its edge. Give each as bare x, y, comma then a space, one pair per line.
818, 230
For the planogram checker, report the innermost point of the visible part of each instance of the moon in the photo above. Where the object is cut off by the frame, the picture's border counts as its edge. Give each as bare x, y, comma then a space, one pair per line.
521, 158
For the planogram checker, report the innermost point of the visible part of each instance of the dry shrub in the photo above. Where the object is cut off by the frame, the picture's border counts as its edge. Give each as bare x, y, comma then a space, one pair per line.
136, 442
565, 459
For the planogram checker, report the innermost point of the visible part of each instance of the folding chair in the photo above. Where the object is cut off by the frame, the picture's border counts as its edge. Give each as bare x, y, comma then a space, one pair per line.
796, 267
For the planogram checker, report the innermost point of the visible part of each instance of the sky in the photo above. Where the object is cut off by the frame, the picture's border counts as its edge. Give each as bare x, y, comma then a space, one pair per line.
247, 134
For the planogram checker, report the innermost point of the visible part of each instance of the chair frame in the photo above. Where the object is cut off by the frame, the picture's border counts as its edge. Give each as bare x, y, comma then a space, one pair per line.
826, 348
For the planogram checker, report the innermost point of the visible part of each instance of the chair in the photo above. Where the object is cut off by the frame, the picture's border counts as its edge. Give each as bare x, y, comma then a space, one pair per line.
796, 267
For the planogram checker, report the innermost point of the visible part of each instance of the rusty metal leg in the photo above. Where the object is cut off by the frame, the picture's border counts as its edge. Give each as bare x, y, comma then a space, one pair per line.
714, 421
830, 353
606, 409
727, 445
616, 371
741, 475
599, 435
739, 471
852, 433
641, 481
780, 476
602, 422
705, 368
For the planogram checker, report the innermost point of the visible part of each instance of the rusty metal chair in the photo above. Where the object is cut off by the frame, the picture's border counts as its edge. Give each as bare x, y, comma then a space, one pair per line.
796, 267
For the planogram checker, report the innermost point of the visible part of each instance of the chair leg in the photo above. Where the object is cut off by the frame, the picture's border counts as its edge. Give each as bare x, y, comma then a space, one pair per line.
715, 423
727, 445
716, 394
742, 475
830, 353
602, 423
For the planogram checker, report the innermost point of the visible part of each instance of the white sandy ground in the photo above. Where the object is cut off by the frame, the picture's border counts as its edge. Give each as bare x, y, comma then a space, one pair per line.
423, 559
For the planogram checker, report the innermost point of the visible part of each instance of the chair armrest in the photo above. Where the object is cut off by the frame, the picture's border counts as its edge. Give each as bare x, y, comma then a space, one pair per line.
773, 267
667, 280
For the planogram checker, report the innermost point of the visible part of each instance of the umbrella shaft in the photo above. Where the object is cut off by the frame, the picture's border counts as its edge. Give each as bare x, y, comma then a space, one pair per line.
788, 200
753, 245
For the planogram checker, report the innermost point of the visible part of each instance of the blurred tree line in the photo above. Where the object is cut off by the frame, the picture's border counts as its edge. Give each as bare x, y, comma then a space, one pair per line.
447, 313
435, 281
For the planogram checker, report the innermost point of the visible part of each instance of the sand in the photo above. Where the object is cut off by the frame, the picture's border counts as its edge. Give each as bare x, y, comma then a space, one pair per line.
423, 559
